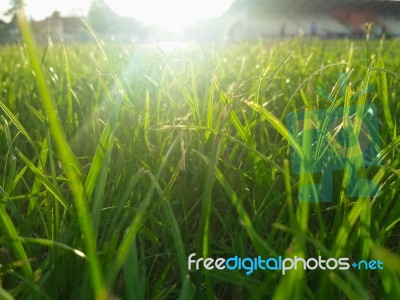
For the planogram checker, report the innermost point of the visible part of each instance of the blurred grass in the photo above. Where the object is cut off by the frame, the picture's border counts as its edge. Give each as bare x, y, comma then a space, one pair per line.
120, 161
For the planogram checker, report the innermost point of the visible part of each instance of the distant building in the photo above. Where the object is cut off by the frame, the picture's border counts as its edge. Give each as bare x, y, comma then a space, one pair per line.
60, 28
102, 19
323, 18
55, 27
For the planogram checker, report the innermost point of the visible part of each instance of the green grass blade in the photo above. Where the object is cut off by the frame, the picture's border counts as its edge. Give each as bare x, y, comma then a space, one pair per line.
68, 161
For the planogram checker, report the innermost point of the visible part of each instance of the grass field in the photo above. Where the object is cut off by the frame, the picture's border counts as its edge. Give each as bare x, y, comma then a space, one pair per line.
119, 161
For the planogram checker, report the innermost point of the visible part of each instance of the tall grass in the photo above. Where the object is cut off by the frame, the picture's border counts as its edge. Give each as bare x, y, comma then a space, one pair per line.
117, 163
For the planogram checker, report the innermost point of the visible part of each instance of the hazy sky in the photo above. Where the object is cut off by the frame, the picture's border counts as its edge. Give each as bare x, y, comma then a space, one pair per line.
169, 13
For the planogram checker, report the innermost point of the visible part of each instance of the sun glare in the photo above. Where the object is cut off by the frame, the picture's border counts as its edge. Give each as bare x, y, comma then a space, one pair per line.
170, 14
39, 9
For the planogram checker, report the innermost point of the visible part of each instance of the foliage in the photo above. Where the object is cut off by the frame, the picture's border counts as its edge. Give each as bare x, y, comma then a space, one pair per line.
164, 153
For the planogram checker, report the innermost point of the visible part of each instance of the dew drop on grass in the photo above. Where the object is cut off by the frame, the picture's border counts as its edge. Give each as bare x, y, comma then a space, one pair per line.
79, 253
370, 111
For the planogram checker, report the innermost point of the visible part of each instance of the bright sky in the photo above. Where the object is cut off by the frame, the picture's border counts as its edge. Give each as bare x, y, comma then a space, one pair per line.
173, 14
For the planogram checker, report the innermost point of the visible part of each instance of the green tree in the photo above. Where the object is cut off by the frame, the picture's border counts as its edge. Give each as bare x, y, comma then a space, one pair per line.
15, 6
101, 16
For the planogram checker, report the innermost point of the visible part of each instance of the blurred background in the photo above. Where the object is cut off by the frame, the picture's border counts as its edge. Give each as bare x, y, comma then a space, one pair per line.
196, 20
